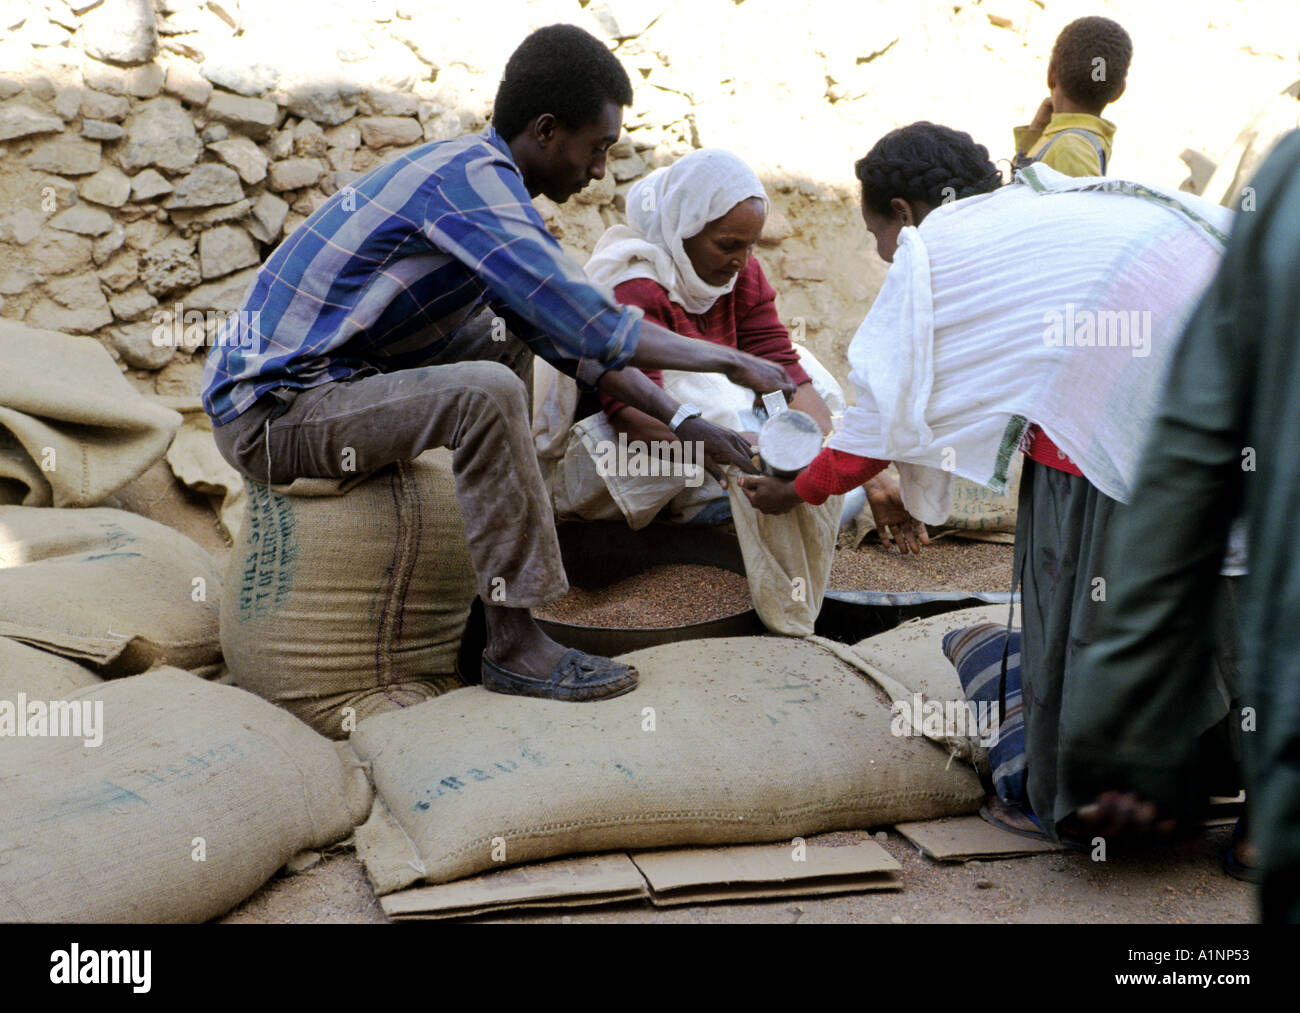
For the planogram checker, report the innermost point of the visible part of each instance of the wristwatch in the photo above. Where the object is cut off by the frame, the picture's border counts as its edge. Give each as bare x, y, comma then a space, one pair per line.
684, 412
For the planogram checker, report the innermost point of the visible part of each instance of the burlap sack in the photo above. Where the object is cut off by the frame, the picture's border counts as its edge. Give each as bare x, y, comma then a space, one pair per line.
197, 463
909, 659
734, 740
978, 512
340, 606
787, 558
109, 588
197, 794
39, 675
72, 429
160, 496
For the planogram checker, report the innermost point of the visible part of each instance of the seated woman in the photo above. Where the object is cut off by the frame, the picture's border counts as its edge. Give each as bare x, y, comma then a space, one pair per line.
686, 258
997, 329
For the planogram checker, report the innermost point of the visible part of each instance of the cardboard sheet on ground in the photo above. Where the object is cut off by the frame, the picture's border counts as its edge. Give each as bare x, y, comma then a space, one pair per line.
665, 877
758, 871
72, 429
571, 882
961, 838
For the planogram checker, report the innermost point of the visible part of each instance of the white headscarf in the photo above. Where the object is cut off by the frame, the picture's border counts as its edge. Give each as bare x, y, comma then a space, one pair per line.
663, 209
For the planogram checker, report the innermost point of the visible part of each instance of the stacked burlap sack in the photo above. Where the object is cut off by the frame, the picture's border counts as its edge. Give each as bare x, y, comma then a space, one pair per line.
134, 789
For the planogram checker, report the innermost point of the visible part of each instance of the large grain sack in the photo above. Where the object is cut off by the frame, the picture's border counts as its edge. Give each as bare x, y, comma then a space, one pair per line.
196, 462
72, 429
195, 796
338, 606
724, 741
978, 510
109, 588
908, 663
39, 675
160, 496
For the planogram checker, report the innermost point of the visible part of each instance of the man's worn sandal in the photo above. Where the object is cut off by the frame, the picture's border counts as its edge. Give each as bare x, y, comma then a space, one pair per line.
1015, 820
577, 676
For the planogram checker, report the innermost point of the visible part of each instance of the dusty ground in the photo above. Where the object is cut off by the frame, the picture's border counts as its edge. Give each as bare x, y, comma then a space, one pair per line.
1179, 884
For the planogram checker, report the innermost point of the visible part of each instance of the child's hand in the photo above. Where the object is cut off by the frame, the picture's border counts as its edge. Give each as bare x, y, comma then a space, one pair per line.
1043, 116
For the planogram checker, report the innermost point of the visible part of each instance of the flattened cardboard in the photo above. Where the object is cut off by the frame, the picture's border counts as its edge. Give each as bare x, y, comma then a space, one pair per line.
961, 838
756, 871
569, 882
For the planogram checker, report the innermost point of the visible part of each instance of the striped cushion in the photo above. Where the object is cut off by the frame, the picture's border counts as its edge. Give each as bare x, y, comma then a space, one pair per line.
976, 653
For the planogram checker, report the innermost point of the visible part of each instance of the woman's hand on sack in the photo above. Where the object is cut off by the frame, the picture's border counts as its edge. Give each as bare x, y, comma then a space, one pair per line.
769, 495
893, 523
721, 447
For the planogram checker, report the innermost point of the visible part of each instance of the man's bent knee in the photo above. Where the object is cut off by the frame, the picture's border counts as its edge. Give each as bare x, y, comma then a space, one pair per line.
500, 384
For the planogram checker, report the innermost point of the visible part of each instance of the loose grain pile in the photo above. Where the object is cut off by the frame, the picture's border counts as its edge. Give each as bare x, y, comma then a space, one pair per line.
948, 564
656, 598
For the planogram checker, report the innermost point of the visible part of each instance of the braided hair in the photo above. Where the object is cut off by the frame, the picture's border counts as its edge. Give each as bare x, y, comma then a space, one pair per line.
925, 162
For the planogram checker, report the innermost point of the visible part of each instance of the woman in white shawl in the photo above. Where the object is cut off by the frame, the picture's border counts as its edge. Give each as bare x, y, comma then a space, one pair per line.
1040, 316
685, 257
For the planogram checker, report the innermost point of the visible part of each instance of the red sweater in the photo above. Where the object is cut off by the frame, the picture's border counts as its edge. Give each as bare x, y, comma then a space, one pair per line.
833, 472
744, 318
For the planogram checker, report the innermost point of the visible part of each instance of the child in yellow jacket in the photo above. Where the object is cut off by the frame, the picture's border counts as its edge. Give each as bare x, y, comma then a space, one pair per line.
1087, 72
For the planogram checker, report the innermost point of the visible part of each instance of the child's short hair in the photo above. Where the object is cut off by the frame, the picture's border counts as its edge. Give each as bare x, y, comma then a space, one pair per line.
1091, 58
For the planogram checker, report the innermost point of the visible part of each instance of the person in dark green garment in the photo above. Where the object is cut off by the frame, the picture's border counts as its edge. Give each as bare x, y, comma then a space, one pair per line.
1227, 434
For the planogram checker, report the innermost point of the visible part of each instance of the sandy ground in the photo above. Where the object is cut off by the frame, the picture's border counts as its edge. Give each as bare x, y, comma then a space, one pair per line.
1178, 884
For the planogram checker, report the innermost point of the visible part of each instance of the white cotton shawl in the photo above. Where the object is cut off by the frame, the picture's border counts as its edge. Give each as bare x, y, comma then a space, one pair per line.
975, 331
666, 208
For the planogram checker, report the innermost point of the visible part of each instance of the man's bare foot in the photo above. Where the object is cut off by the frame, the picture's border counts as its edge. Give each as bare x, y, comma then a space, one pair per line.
1118, 815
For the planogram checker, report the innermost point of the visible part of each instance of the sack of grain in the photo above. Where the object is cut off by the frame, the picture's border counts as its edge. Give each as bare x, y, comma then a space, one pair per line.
72, 429
908, 663
193, 798
733, 740
978, 511
160, 496
343, 604
108, 588
787, 558
39, 675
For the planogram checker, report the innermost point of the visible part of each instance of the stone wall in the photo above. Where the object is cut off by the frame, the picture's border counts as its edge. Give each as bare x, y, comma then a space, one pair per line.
153, 153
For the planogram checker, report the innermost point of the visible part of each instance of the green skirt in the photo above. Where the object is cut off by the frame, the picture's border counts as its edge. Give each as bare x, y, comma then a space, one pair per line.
1062, 527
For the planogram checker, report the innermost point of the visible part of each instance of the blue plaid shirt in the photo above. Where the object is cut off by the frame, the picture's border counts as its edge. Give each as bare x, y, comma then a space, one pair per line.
386, 270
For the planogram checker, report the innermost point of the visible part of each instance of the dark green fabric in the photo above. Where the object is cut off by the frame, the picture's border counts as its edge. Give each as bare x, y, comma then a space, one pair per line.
1061, 524
1232, 400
